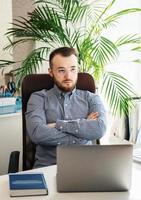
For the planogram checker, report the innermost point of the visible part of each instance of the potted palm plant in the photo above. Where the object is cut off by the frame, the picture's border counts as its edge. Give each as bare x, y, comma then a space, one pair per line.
80, 24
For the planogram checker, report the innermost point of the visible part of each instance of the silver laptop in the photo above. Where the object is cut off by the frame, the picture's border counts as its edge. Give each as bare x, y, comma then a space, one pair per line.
94, 168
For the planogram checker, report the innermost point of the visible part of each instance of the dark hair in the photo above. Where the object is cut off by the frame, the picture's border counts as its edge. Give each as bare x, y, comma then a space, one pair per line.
63, 51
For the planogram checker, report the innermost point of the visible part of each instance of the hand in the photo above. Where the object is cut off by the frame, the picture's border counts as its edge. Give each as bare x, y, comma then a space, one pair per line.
52, 125
93, 116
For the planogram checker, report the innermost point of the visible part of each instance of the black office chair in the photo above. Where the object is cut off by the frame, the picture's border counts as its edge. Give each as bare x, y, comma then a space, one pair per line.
30, 84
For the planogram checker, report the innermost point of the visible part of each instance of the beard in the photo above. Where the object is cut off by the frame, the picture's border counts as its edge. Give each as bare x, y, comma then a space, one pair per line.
64, 87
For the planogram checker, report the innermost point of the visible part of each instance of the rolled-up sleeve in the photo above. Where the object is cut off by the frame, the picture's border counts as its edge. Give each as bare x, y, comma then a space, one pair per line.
37, 127
84, 128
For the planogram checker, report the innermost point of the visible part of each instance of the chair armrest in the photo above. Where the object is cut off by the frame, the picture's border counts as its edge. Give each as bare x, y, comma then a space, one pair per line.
98, 141
14, 162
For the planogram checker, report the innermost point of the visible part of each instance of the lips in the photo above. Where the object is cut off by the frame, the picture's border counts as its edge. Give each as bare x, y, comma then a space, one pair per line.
67, 81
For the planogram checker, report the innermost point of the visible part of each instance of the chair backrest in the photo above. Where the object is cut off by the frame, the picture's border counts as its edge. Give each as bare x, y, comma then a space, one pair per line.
36, 82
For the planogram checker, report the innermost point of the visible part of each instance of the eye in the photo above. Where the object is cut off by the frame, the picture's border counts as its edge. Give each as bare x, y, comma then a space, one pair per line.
61, 71
73, 69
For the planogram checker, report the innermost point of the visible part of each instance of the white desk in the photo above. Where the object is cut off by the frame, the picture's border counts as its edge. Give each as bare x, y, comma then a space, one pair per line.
50, 175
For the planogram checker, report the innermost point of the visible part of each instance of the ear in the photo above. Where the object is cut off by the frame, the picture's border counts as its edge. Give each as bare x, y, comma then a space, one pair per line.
50, 72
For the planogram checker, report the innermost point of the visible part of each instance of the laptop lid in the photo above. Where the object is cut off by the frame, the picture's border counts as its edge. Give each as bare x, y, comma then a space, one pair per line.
94, 168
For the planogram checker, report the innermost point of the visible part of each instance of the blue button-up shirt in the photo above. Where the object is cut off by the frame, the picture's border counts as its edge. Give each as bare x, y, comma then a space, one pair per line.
69, 111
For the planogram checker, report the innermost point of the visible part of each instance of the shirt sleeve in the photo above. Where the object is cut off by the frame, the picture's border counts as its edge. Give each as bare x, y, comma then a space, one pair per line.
84, 128
37, 127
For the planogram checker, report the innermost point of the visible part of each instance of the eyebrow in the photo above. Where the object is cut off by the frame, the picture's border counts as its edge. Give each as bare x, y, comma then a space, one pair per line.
60, 67
73, 66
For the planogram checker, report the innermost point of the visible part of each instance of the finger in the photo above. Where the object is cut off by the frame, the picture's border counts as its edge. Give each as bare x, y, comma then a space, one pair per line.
92, 117
93, 114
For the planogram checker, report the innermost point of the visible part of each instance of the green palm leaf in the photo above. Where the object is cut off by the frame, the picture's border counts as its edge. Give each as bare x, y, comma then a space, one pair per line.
86, 58
137, 61
32, 63
128, 39
104, 51
14, 43
72, 10
138, 48
112, 18
4, 63
44, 25
118, 92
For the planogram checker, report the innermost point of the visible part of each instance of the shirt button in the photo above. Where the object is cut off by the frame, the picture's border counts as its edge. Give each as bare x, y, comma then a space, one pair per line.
76, 131
61, 127
66, 104
73, 142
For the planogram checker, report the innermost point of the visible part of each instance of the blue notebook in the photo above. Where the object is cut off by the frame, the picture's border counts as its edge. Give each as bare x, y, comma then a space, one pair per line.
27, 184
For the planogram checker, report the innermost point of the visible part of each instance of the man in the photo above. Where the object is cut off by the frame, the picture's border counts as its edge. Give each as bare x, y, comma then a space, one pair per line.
63, 115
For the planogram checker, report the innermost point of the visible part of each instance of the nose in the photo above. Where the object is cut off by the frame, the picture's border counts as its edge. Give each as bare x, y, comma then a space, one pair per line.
67, 74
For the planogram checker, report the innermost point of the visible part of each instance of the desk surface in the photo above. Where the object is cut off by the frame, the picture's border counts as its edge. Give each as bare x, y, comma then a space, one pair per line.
50, 176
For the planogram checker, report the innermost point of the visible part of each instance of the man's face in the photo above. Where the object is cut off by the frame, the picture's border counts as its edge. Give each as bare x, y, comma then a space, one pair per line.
64, 72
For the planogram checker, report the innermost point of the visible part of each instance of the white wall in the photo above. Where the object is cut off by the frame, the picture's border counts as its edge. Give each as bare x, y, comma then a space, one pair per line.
5, 20
21, 8
11, 125
129, 24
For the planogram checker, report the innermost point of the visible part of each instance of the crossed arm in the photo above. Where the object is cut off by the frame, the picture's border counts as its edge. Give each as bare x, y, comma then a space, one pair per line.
63, 132
91, 116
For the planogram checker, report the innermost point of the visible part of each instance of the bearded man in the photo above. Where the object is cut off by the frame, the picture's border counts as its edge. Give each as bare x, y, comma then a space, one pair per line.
63, 115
